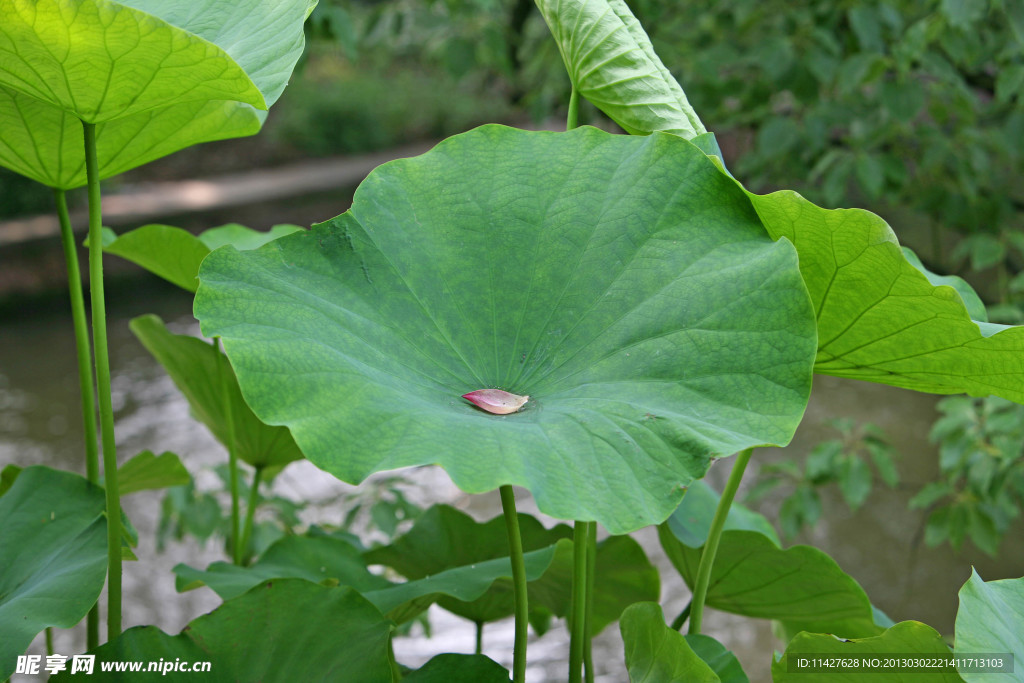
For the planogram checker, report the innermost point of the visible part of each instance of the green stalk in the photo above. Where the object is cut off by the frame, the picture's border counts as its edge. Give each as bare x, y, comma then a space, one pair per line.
573, 119
578, 623
682, 617
229, 418
479, 638
49, 640
588, 650
85, 384
707, 556
99, 342
250, 510
515, 552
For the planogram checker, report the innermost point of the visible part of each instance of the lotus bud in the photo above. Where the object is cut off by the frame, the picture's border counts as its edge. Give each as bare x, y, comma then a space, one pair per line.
496, 401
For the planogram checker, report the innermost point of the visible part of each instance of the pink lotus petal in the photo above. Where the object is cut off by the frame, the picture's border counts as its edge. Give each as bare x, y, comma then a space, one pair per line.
496, 401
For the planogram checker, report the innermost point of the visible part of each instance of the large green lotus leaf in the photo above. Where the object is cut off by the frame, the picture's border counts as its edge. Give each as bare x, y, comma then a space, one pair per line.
281, 631
453, 668
905, 638
45, 143
612, 63
333, 561
53, 556
203, 374
879, 318
444, 538
623, 283
800, 586
154, 75
991, 619
655, 652
175, 254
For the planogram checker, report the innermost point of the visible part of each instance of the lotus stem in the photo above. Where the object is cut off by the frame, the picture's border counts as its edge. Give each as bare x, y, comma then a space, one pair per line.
578, 620
479, 649
707, 556
572, 120
99, 341
678, 622
85, 383
229, 419
588, 650
515, 552
250, 510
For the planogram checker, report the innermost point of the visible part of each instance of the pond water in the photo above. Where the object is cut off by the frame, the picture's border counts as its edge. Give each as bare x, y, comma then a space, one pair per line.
40, 424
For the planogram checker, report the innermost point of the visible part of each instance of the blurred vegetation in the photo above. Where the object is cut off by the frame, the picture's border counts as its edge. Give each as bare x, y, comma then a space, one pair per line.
911, 108
852, 463
878, 104
981, 460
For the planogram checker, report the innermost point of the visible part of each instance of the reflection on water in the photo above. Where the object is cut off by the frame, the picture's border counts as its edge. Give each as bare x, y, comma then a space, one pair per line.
40, 424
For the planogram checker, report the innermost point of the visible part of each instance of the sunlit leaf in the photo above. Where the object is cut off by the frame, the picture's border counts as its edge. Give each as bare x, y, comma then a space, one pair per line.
612, 63
154, 75
972, 301
879, 318
622, 283
175, 254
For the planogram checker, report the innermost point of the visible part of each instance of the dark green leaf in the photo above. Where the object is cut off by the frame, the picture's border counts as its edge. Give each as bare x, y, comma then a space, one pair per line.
453, 668
53, 551
624, 576
7, 476
331, 561
800, 586
274, 634
147, 471
444, 538
722, 661
321, 559
655, 652
909, 637
203, 374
